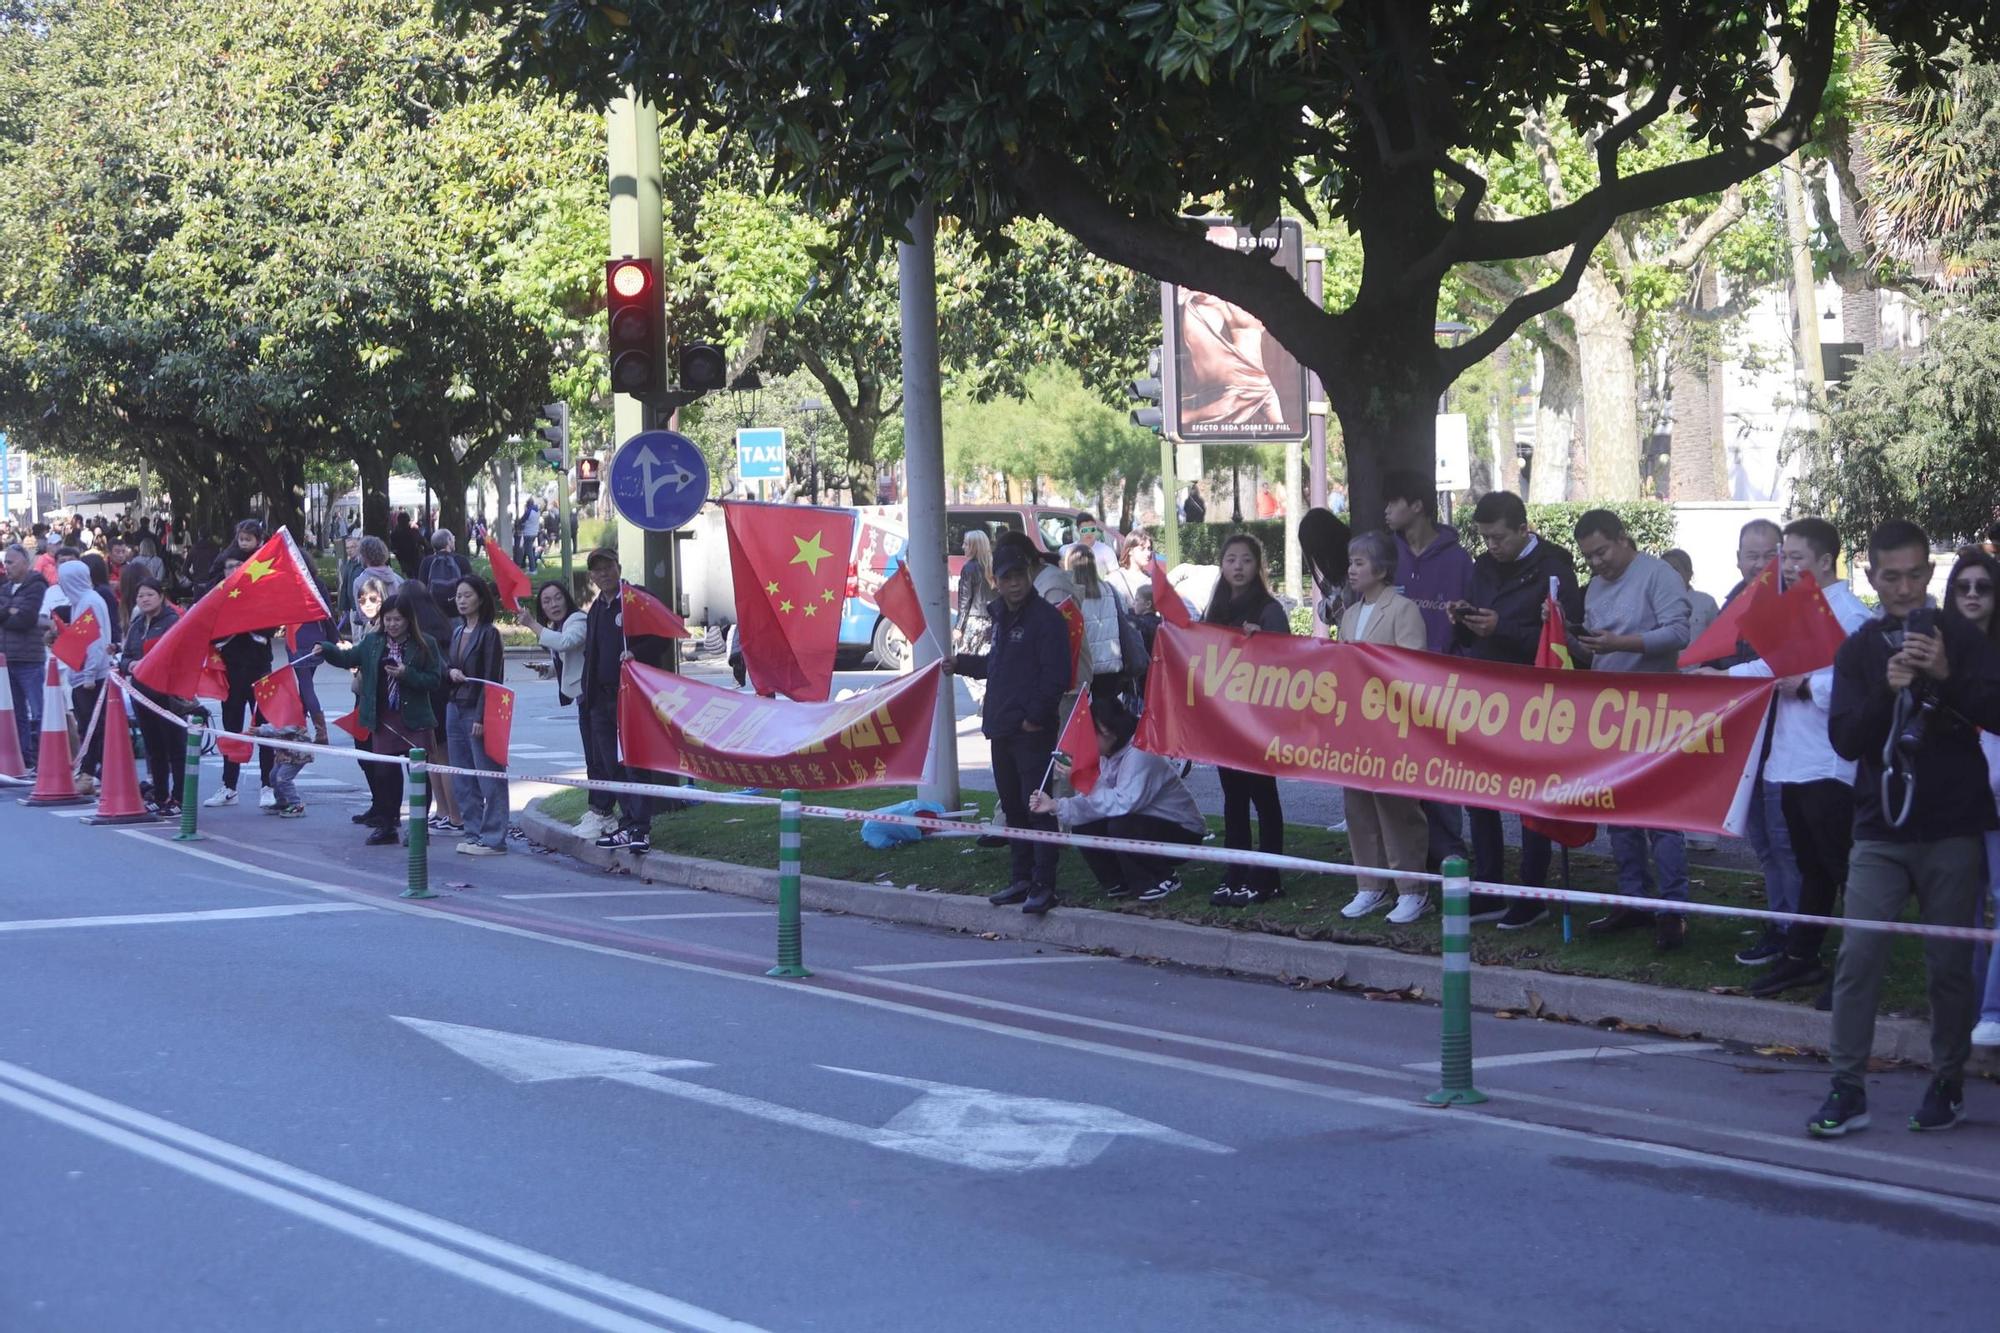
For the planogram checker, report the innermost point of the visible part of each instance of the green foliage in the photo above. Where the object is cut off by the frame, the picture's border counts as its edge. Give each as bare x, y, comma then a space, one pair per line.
1058, 429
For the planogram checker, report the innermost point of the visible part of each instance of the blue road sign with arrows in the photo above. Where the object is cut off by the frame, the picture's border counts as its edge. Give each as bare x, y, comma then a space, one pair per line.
658, 480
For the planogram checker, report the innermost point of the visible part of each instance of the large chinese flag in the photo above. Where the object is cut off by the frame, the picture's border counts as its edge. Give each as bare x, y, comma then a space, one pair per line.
271, 588
508, 579
647, 614
1554, 652
1723, 633
72, 645
789, 565
496, 719
1078, 744
1795, 632
278, 701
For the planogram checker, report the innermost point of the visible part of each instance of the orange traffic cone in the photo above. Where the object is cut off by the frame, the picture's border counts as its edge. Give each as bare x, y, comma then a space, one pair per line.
118, 799
55, 767
11, 763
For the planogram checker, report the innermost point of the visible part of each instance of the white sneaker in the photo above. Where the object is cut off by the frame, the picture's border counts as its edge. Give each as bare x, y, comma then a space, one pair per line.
1987, 1033
266, 798
1341, 827
1364, 902
593, 825
1410, 906
223, 796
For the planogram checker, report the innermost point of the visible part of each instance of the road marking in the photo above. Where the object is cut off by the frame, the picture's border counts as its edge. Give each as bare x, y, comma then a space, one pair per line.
393, 881
322, 783
402, 1231
520, 747
72, 811
1578, 1053
960, 1126
988, 962
1788, 1143
689, 916
604, 893
166, 918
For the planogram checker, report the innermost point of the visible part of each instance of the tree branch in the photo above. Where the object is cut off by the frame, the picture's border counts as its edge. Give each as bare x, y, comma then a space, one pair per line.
1724, 216
1455, 361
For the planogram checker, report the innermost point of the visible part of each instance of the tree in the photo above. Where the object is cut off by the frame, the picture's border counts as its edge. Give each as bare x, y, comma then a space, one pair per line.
1113, 121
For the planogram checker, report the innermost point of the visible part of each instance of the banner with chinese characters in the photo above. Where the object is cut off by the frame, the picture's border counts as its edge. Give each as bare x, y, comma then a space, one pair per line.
670, 724
1640, 750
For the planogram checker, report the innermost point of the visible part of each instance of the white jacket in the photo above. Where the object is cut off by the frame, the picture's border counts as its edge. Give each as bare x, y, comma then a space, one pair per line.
566, 646
1100, 627
1132, 782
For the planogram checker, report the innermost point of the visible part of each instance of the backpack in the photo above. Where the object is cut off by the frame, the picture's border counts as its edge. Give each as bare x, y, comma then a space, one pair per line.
442, 572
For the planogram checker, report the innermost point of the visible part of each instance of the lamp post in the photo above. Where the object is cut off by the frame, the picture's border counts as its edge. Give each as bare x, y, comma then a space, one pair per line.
812, 408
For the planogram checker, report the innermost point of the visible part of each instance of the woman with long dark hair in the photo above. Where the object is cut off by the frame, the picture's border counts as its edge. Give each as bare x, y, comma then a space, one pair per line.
1243, 600
398, 667
476, 661
1971, 595
166, 744
437, 624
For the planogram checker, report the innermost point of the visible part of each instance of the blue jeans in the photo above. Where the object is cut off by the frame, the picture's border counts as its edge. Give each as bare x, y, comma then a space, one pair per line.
1986, 961
482, 801
1635, 873
26, 680
284, 776
1772, 841
304, 663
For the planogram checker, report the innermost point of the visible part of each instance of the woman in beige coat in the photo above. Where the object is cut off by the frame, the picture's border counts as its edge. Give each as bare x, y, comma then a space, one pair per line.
1387, 831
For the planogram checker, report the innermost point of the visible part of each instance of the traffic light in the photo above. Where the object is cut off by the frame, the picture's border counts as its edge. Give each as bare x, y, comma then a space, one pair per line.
704, 368
587, 480
557, 434
638, 325
1150, 392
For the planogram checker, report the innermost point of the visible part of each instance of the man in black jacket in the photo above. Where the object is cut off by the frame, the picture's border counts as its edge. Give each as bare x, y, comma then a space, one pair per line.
21, 593
605, 648
1911, 692
1026, 670
1501, 621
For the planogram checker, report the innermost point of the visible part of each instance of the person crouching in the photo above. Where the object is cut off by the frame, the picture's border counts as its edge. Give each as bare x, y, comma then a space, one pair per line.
1138, 796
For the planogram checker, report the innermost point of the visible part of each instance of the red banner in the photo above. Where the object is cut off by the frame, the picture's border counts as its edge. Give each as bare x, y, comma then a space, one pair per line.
1641, 750
670, 724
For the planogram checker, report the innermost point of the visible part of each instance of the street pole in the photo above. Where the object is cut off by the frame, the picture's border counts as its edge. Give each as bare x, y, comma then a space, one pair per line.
1316, 405
562, 515
1170, 517
638, 230
923, 497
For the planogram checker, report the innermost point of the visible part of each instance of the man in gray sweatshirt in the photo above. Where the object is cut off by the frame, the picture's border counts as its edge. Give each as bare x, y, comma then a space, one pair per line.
1635, 618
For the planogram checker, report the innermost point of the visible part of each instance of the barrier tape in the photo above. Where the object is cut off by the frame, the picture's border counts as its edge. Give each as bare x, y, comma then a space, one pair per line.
1168, 850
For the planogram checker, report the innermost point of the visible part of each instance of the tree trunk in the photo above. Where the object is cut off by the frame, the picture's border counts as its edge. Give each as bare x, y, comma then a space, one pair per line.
503, 497
1699, 469
1555, 427
374, 468
1608, 468
1128, 501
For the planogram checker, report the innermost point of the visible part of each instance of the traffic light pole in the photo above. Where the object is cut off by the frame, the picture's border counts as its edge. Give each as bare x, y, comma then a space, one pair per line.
637, 229
562, 511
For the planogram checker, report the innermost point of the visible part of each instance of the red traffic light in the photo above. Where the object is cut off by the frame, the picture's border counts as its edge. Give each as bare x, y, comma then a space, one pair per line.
638, 325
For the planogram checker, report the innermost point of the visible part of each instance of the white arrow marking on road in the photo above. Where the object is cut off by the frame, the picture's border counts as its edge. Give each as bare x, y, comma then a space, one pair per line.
647, 461
960, 1126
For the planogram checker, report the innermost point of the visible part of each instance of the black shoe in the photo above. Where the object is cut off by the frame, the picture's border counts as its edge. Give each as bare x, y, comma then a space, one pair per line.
1943, 1106
1116, 889
1770, 946
1224, 895
1247, 896
1789, 973
1165, 888
1670, 932
1017, 892
1824, 1001
1524, 913
1617, 919
1040, 901
380, 836
990, 840
1844, 1111
1488, 907
626, 840
366, 817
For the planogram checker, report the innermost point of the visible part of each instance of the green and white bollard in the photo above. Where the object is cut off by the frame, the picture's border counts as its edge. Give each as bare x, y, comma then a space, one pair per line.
791, 956
420, 829
1455, 1058
191, 784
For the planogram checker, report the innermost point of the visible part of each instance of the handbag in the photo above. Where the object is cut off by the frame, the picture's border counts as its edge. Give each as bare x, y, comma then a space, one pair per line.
1132, 646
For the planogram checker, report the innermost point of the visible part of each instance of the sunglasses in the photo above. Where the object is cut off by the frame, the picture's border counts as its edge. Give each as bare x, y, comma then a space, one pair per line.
1981, 589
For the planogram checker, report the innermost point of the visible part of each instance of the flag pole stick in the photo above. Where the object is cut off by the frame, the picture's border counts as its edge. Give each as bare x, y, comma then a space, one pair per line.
1566, 921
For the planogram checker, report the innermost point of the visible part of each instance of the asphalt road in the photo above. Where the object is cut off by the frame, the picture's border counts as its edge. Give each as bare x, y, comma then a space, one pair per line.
244, 1086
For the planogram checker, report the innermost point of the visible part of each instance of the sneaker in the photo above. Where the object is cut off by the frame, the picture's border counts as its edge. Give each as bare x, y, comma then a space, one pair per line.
1172, 884
626, 839
1364, 902
1116, 889
1487, 909
291, 812
1245, 896
1340, 828
1617, 919
1844, 1111
1017, 892
480, 849
594, 824
1224, 895
1987, 1033
1943, 1106
1670, 932
223, 796
1789, 973
266, 798
1525, 912
1410, 907
990, 840
1770, 946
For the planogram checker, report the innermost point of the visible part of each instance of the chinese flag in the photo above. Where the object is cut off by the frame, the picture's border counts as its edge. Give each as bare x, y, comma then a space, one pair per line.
898, 599
1072, 615
277, 697
214, 680
1722, 634
351, 724
1078, 744
1165, 600
1795, 632
1554, 652
271, 588
789, 565
496, 719
647, 614
508, 579
72, 645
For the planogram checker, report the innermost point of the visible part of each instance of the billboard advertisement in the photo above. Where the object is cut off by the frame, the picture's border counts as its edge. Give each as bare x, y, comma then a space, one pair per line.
1232, 382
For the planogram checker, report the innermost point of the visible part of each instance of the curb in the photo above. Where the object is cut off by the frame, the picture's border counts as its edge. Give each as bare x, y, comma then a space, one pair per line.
1586, 1000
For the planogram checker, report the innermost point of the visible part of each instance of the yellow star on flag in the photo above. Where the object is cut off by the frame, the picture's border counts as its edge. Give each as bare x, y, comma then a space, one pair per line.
257, 569
236, 592
810, 551
810, 608
826, 596
772, 587
786, 605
